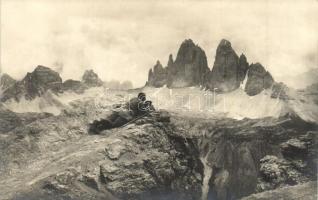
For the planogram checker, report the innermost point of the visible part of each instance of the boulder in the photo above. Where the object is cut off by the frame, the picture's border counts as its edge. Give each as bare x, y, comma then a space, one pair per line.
306, 191
294, 148
278, 172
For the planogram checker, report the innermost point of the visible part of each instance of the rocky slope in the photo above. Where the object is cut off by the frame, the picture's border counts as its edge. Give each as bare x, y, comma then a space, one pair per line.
53, 157
306, 191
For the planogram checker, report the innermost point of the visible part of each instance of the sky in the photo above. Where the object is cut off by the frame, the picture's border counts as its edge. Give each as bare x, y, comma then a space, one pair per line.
122, 40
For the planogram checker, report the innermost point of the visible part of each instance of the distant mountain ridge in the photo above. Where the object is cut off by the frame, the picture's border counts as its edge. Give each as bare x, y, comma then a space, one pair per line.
43, 79
227, 74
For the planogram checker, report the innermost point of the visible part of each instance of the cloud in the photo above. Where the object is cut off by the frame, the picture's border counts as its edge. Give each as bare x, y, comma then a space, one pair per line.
123, 39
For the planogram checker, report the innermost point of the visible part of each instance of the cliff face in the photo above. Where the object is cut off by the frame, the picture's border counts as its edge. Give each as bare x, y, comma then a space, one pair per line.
252, 156
189, 68
258, 79
158, 76
228, 72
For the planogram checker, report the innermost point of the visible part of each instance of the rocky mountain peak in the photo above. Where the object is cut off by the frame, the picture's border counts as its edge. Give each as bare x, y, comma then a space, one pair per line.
242, 58
188, 69
6, 81
224, 47
41, 80
187, 52
190, 66
170, 61
228, 69
258, 79
34, 84
42, 68
158, 67
158, 76
91, 79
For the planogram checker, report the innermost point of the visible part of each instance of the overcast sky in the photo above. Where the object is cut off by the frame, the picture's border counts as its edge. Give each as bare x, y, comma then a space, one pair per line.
123, 39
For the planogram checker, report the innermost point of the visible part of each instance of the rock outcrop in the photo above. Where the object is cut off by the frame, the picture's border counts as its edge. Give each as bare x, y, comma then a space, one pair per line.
258, 79
306, 191
229, 70
10, 120
6, 81
43, 79
152, 158
91, 79
138, 162
280, 91
158, 76
34, 85
189, 68
246, 155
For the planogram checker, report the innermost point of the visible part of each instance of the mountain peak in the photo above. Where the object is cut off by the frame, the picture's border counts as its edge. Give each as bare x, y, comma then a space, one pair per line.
6, 81
225, 43
258, 79
188, 42
41, 67
91, 79
225, 47
170, 61
34, 84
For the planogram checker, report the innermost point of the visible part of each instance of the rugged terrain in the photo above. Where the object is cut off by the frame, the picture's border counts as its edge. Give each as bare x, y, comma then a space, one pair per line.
53, 157
228, 133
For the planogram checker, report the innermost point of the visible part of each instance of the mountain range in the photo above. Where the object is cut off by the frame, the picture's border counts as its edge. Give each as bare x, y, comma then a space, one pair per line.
43, 79
229, 71
232, 132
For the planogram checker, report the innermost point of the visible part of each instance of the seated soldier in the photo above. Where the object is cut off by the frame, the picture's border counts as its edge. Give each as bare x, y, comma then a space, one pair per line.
135, 108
